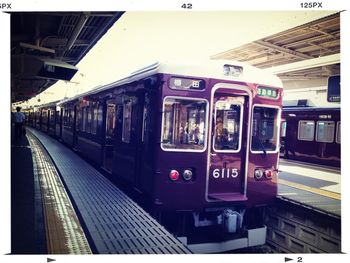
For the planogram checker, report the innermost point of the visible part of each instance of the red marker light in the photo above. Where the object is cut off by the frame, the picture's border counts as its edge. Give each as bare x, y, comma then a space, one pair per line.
174, 175
268, 174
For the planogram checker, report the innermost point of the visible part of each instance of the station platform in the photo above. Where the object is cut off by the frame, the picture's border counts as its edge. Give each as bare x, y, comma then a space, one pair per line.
314, 186
27, 221
92, 216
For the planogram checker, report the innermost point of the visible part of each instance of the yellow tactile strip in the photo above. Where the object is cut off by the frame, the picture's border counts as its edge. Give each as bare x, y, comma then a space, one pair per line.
310, 189
64, 233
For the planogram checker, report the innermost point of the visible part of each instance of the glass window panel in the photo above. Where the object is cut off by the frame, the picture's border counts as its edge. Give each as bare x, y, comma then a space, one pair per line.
145, 120
306, 130
100, 116
126, 134
110, 121
89, 119
79, 119
52, 117
227, 126
94, 120
283, 129
265, 129
84, 119
338, 132
184, 124
71, 118
325, 131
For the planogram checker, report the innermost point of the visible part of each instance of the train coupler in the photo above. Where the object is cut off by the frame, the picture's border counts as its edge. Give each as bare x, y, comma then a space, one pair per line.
230, 220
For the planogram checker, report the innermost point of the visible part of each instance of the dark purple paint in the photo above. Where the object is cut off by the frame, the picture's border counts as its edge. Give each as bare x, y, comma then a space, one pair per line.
310, 151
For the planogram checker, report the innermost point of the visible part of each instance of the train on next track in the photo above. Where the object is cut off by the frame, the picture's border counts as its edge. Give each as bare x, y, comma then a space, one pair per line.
197, 139
311, 134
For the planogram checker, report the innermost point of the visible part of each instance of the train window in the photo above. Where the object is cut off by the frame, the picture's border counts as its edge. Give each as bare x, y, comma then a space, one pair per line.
145, 118
265, 129
306, 130
79, 119
84, 120
337, 137
325, 131
227, 128
52, 116
58, 118
184, 124
94, 120
89, 119
44, 116
71, 118
126, 133
283, 128
110, 120
64, 117
99, 117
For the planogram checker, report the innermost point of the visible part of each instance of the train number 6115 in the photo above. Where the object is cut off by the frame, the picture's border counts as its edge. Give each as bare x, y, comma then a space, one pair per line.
225, 173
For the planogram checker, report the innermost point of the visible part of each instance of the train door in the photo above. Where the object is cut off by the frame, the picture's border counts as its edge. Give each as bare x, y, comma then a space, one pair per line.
144, 140
109, 138
227, 154
125, 164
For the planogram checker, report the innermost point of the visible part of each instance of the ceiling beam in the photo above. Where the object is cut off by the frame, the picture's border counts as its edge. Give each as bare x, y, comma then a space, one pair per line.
306, 64
313, 28
282, 49
42, 49
78, 28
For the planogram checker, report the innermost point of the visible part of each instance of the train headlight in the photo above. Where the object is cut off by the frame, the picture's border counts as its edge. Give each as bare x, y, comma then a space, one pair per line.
174, 175
268, 174
187, 174
258, 174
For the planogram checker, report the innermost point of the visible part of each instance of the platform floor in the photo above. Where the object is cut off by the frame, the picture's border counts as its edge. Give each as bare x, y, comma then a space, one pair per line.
27, 220
64, 233
315, 186
114, 224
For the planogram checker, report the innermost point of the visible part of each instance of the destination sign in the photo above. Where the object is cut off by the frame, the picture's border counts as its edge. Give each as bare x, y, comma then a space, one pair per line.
267, 92
184, 83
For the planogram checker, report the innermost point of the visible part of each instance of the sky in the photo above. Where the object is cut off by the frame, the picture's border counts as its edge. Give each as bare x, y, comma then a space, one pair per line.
139, 38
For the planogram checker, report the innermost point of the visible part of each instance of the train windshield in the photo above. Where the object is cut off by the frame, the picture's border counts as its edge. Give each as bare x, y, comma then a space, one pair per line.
184, 124
265, 129
227, 127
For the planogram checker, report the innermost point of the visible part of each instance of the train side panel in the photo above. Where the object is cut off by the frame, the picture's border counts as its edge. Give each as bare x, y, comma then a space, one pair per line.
312, 135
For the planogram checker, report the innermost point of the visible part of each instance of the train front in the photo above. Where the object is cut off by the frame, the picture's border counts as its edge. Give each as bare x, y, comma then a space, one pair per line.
219, 147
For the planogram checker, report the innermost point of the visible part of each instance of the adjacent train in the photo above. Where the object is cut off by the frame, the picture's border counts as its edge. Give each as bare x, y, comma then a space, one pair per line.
199, 139
311, 134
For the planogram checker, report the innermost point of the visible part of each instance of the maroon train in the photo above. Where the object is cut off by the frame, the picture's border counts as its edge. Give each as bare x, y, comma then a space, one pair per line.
311, 134
198, 139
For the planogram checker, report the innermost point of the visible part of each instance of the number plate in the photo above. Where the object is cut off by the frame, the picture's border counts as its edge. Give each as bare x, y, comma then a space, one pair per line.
225, 173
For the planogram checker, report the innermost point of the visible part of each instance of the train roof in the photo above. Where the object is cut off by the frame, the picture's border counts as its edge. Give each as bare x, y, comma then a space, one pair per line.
201, 69
47, 105
304, 109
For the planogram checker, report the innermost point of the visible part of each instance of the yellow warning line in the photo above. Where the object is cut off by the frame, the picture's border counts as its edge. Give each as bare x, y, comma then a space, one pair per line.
310, 189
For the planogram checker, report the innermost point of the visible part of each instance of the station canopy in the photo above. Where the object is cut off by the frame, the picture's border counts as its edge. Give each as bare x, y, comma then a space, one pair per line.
46, 46
311, 41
